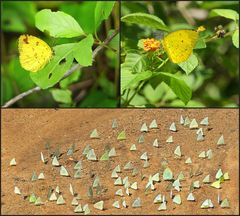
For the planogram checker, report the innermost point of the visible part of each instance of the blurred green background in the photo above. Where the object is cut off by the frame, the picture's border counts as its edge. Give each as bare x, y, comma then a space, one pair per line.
95, 86
215, 82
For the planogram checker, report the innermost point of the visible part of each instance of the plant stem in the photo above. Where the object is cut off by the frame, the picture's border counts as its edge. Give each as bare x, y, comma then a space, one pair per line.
214, 37
104, 45
128, 91
137, 90
96, 36
164, 62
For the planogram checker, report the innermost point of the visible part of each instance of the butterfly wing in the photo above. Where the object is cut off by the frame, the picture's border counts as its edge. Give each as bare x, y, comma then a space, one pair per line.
179, 45
34, 53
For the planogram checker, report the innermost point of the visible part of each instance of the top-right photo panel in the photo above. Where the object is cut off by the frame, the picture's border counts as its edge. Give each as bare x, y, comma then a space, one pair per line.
179, 54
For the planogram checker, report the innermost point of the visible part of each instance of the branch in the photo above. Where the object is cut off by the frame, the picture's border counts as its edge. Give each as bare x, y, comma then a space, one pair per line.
81, 85
20, 96
68, 73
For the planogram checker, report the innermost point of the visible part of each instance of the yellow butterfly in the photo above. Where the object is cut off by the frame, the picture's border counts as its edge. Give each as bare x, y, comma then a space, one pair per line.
179, 44
34, 53
216, 184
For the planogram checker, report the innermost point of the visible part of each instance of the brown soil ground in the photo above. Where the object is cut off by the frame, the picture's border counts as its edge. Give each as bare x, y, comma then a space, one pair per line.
25, 133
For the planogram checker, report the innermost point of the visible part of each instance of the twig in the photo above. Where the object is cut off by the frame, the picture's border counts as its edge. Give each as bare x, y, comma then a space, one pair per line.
68, 73
81, 85
80, 96
163, 62
21, 96
215, 37
140, 85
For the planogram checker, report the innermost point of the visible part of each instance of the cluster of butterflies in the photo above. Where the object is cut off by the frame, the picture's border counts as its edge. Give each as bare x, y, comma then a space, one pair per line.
129, 187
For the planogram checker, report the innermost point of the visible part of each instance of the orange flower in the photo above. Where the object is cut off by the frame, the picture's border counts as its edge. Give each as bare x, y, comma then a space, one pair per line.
151, 44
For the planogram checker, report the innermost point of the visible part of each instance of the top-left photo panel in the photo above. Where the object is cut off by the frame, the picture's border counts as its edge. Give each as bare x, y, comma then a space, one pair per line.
59, 54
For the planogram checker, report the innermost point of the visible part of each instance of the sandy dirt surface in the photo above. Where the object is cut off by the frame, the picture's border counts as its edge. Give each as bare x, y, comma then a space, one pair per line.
25, 133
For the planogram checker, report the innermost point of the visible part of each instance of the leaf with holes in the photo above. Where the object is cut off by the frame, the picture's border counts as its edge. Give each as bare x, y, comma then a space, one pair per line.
83, 51
57, 67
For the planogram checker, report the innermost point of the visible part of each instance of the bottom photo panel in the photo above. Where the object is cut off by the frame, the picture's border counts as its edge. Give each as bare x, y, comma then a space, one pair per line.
120, 161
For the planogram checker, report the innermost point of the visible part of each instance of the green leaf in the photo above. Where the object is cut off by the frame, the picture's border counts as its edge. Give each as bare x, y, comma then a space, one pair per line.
227, 13
134, 62
70, 79
140, 77
235, 38
146, 20
191, 103
189, 65
56, 68
102, 10
164, 91
178, 86
58, 24
153, 95
200, 44
62, 96
126, 77
83, 51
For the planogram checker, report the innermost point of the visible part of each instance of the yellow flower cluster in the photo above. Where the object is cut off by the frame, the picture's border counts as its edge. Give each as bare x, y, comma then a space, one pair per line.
150, 44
